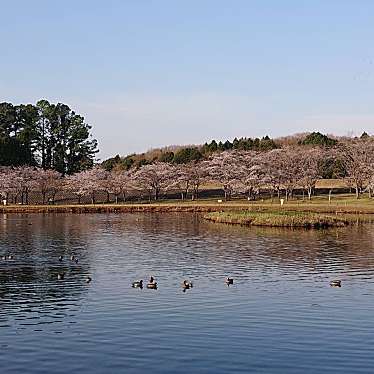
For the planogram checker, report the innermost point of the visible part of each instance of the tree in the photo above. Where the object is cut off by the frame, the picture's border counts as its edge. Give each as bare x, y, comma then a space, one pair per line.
358, 158
119, 183
250, 173
310, 168
186, 155
87, 182
24, 180
316, 138
183, 179
16, 135
188, 179
286, 162
370, 186
167, 156
7, 182
47, 135
48, 182
153, 179
223, 168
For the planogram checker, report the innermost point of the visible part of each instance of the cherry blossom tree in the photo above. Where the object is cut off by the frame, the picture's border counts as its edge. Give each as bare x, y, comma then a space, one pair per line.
198, 175
48, 182
309, 160
223, 169
119, 183
249, 174
87, 182
24, 179
154, 179
7, 182
358, 158
290, 168
183, 180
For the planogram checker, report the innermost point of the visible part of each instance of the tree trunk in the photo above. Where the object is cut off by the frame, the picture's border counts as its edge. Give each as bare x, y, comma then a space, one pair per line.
309, 193
357, 192
93, 197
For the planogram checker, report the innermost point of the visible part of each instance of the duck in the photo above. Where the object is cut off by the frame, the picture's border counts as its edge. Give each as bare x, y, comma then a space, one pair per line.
137, 284
60, 276
229, 281
88, 279
10, 257
60, 258
76, 261
3, 257
72, 257
336, 283
186, 284
152, 286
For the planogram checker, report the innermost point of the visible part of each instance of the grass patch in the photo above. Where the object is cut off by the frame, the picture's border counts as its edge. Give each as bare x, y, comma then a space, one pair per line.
280, 219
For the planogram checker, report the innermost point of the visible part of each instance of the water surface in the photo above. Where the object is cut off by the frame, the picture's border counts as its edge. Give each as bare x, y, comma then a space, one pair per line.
280, 316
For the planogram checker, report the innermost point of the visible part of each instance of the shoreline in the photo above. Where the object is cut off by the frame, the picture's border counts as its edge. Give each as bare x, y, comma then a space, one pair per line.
188, 207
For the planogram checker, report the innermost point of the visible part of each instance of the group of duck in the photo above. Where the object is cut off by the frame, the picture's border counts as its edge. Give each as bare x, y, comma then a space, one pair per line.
186, 284
8, 257
152, 284
61, 276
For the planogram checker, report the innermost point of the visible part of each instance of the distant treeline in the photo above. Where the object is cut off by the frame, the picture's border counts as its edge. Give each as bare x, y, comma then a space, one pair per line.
184, 155
333, 168
50, 136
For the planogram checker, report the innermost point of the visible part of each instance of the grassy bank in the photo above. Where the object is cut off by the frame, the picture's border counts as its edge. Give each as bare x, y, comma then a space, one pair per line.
281, 219
342, 204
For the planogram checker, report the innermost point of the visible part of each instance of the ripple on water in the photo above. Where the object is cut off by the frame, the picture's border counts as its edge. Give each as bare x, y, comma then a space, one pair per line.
280, 315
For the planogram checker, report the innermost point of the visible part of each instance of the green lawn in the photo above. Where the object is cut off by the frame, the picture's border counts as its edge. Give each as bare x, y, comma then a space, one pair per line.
339, 203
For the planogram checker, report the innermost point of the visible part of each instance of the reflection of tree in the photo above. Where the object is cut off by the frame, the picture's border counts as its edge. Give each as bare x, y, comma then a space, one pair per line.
303, 251
29, 281
169, 246
200, 246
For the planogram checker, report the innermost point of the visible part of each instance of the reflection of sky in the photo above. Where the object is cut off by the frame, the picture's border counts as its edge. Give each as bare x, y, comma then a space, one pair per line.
184, 73
280, 306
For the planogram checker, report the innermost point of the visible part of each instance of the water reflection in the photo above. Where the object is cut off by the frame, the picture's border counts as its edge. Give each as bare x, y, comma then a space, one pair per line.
280, 296
29, 284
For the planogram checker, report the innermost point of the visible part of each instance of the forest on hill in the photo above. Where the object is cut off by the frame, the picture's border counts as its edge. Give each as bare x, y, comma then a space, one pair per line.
193, 153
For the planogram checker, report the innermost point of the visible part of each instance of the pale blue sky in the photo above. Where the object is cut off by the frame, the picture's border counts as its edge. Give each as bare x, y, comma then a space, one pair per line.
150, 73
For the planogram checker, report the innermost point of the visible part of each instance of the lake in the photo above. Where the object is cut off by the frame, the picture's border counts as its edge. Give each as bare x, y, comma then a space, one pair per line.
279, 316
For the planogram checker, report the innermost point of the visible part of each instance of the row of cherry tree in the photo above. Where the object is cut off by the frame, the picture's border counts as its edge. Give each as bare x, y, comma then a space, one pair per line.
278, 171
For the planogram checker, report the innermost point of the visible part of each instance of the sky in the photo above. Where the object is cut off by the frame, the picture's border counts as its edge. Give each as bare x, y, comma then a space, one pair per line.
150, 73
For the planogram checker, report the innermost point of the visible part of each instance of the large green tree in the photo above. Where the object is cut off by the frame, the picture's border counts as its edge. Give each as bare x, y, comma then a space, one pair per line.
48, 135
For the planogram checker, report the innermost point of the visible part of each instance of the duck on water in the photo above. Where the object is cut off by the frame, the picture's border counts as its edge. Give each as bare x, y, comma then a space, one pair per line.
137, 284
152, 284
